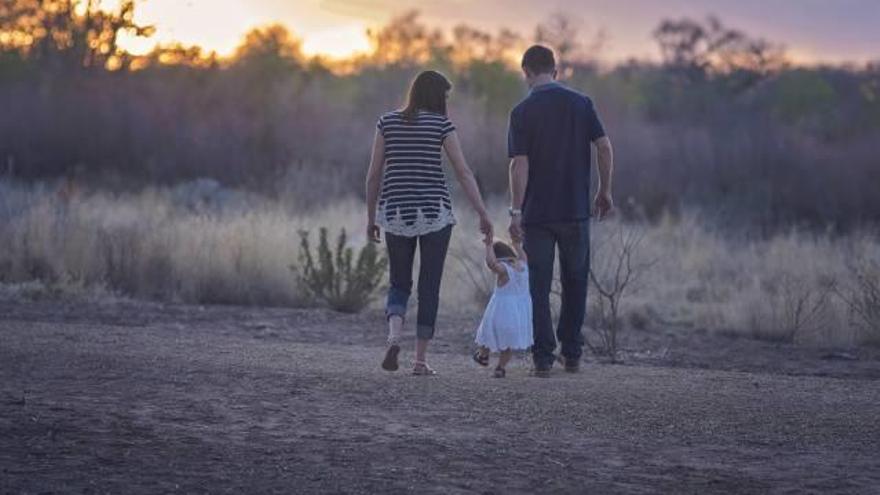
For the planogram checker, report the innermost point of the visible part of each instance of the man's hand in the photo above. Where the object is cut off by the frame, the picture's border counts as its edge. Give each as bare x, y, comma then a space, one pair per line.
373, 233
486, 228
516, 230
603, 204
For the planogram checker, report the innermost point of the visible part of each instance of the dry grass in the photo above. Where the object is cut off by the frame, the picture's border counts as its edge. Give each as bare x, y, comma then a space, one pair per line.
226, 247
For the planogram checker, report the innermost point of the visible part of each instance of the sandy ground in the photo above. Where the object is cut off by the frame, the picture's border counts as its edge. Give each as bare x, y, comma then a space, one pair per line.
137, 398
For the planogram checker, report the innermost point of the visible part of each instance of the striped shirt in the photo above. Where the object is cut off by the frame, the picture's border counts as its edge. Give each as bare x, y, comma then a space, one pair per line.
415, 198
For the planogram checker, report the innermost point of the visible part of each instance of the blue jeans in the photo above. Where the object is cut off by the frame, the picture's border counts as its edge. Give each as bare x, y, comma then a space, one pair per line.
432, 256
573, 241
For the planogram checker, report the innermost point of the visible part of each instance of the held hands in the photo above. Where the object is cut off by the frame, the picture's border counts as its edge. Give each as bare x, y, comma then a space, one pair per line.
603, 204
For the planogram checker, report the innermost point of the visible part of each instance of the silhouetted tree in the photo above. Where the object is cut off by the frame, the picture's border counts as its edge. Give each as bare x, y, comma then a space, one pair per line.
697, 50
269, 48
563, 32
69, 34
406, 41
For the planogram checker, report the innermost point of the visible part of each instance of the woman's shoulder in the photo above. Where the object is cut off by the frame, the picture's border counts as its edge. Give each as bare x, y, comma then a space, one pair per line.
391, 115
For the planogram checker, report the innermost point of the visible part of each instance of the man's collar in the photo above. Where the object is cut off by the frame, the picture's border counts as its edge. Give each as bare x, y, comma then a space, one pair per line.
545, 86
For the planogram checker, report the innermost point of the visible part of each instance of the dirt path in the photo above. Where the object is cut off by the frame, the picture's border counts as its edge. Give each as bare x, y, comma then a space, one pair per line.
169, 402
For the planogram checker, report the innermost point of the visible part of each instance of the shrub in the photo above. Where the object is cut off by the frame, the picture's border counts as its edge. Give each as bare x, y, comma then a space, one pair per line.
331, 277
615, 276
790, 306
473, 275
862, 295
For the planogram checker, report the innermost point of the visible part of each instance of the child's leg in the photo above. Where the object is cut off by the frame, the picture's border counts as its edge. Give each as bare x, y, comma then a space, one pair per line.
504, 358
483, 350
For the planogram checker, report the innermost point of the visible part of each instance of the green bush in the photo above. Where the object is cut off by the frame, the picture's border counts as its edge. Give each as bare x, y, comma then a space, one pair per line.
332, 278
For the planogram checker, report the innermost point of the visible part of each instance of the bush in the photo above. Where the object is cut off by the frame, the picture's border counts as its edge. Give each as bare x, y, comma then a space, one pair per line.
332, 278
615, 271
862, 295
791, 304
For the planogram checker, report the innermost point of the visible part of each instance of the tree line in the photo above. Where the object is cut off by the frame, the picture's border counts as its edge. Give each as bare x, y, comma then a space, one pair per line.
723, 122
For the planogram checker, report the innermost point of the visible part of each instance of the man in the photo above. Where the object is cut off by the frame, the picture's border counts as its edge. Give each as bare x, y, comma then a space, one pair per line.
549, 143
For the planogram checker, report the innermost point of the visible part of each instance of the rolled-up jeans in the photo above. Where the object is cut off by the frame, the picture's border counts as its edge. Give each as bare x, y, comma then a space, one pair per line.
432, 256
541, 242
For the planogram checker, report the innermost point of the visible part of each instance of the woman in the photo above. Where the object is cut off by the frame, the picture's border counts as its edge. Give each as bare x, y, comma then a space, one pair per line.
407, 195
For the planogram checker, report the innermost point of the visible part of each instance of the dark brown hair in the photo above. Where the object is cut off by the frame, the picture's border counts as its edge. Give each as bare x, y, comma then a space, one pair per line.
538, 59
503, 250
427, 92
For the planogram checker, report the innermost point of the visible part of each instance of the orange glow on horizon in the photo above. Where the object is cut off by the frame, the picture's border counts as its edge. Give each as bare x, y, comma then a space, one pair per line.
220, 25
336, 30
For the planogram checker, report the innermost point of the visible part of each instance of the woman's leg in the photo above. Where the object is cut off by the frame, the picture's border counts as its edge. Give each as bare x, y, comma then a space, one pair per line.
432, 257
395, 329
401, 251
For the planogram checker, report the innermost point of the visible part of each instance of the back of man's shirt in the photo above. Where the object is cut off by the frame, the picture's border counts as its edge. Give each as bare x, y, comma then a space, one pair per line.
555, 126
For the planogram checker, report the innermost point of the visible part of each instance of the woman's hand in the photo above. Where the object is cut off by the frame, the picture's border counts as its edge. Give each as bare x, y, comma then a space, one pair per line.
373, 233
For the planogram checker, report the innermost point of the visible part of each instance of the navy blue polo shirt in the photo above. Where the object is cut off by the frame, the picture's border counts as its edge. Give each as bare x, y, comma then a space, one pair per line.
554, 126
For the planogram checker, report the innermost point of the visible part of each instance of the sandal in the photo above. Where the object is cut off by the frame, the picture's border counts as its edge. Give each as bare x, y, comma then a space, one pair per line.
390, 361
500, 373
421, 368
481, 359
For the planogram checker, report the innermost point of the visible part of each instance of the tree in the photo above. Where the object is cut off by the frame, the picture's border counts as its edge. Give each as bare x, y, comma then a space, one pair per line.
698, 50
561, 32
269, 49
69, 34
406, 41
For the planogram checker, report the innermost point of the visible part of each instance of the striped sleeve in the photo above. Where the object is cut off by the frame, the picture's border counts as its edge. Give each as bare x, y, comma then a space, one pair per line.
381, 125
447, 129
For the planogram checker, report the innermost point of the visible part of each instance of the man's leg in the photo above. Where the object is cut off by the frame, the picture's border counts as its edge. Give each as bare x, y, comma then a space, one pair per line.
432, 257
574, 261
540, 246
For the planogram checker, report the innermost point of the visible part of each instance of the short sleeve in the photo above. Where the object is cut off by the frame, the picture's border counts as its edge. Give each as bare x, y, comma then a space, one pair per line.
595, 129
447, 129
517, 135
380, 125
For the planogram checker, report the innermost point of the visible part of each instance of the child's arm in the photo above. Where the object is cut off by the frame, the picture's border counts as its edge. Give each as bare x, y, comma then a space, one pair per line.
492, 262
520, 252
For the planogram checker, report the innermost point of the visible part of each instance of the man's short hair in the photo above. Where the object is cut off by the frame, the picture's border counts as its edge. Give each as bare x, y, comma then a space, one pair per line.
539, 59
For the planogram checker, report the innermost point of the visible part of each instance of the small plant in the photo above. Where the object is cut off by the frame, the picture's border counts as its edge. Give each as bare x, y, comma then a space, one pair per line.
611, 279
474, 273
333, 278
793, 304
862, 294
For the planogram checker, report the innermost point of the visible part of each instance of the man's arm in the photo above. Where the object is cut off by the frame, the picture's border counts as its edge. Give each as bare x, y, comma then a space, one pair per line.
519, 178
604, 202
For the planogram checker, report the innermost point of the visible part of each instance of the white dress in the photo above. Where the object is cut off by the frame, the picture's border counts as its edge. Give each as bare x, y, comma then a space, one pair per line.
507, 321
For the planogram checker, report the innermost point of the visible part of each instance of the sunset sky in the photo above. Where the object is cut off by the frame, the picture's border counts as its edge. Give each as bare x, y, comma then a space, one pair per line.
813, 30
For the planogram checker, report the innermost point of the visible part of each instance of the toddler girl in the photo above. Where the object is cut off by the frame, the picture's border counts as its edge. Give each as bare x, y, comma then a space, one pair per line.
507, 321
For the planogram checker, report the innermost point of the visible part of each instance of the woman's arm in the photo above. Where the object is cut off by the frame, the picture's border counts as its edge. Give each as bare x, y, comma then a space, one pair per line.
374, 181
468, 182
